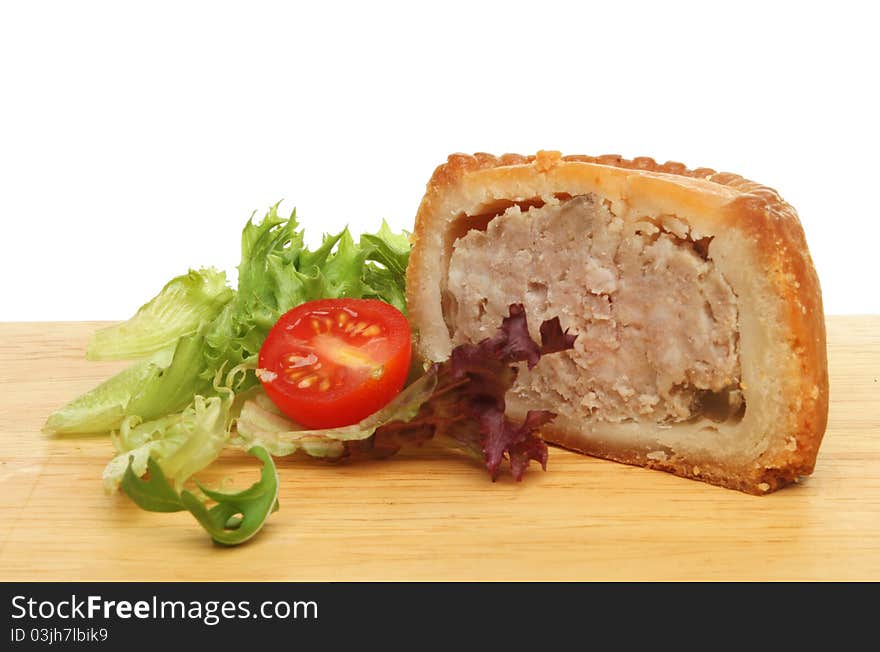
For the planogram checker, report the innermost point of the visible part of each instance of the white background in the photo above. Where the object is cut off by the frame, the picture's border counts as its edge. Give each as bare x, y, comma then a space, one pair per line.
135, 139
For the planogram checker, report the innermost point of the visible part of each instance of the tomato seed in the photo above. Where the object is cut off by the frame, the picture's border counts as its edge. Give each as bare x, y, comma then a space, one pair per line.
295, 361
372, 331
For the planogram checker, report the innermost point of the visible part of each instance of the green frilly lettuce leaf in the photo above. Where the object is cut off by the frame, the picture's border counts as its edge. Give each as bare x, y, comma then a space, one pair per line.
158, 386
262, 424
182, 306
233, 519
182, 444
103, 408
237, 517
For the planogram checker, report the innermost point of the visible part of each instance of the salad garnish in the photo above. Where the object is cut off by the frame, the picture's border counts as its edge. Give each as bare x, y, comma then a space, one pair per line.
199, 383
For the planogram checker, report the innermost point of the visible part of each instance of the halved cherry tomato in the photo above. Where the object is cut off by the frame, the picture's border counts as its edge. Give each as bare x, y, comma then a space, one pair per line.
333, 362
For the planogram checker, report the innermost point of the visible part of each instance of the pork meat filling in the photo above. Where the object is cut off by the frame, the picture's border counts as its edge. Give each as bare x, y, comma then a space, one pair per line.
656, 321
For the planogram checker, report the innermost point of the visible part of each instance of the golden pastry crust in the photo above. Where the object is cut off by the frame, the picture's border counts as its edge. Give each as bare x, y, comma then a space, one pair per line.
765, 247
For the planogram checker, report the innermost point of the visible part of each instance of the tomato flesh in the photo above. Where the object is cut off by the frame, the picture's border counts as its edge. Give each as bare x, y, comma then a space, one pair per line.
334, 362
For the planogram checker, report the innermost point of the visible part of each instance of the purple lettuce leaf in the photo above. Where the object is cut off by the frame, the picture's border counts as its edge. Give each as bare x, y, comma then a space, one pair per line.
467, 408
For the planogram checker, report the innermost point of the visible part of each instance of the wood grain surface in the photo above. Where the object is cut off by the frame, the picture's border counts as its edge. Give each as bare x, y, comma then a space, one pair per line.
429, 515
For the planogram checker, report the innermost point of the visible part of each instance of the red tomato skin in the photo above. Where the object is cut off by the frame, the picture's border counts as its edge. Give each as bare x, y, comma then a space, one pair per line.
361, 392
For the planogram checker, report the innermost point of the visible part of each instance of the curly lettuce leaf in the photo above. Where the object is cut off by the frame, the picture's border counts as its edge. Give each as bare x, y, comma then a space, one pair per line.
237, 517
177, 385
179, 309
158, 386
103, 408
152, 493
391, 250
261, 423
182, 444
385, 271
233, 519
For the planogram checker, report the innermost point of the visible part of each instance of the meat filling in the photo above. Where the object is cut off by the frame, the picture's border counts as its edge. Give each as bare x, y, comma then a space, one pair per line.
656, 321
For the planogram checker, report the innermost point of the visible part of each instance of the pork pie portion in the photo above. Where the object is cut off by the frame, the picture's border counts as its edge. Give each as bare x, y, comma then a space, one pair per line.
701, 341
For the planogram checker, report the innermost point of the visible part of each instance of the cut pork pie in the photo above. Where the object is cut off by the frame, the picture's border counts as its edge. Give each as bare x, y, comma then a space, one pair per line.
700, 335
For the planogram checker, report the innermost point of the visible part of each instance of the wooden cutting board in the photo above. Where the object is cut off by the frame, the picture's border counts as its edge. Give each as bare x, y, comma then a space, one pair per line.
429, 515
